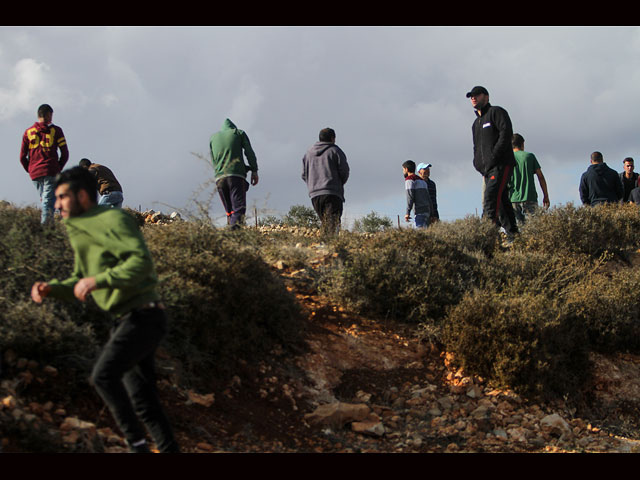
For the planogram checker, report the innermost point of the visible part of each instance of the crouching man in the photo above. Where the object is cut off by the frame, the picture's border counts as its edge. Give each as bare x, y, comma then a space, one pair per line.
114, 266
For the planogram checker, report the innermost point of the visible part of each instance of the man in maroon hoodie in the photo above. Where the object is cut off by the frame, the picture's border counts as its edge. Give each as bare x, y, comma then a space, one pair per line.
39, 157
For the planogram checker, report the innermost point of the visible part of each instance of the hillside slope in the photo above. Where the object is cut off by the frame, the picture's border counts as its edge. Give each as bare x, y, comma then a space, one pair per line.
354, 385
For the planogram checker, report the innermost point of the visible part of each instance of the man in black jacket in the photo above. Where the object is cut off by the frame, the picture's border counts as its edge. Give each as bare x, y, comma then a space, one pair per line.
600, 183
493, 158
628, 178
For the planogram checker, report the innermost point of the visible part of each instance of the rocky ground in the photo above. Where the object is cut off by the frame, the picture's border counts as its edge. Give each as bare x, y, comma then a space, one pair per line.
359, 385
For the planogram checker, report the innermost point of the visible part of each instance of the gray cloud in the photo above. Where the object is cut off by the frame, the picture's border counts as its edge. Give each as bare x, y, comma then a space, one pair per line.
143, 100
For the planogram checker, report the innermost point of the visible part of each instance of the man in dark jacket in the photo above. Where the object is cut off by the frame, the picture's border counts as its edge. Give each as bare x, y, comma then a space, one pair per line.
325, 171
493, 158
628, 178
600, 183
39, 157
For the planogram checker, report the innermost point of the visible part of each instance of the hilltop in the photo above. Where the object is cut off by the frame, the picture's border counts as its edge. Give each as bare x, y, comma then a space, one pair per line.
350, 382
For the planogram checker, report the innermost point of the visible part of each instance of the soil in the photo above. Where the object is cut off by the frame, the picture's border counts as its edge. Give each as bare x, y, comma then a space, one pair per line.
345, 358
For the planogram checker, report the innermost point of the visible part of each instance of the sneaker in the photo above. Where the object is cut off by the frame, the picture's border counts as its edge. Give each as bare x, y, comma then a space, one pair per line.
139, 447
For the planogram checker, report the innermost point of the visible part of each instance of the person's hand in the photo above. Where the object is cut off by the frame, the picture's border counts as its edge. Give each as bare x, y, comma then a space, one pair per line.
39, 291
254, 178
84, 287
546, 203
407, 218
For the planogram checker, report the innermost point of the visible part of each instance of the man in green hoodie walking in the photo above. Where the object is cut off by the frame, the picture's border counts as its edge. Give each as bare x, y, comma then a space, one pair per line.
226, 148
114, 266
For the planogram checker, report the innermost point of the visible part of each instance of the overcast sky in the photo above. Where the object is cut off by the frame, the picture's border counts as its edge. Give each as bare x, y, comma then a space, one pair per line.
145, 100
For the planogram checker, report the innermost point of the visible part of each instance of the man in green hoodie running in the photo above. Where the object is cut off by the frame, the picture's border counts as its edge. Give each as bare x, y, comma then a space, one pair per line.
114, 266
226, 148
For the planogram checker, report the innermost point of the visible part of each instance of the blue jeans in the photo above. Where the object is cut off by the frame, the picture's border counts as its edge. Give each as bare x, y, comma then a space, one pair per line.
422, 220
124, 376
47, 191
522, 210
113, 199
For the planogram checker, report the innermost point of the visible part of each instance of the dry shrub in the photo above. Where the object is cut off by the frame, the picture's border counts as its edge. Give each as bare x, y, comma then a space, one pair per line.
525, 342
225, 303
582, 230
411, 275
608, 303
53, 330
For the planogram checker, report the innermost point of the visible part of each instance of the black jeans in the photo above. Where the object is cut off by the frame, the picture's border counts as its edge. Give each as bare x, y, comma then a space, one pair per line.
233, 194
125, 377
329, 209
496, 203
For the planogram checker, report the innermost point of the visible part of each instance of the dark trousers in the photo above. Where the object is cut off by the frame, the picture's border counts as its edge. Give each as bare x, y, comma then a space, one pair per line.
125, 378
233, 193
329, 209
496, 203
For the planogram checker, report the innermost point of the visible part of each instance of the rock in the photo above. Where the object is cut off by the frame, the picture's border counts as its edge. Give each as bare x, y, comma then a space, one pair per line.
499, 433
518, 434
555, 424
204, 400
373, 428
49, 370
446, 402
74, 423
204, 446
474, 391
338, 413
363, 396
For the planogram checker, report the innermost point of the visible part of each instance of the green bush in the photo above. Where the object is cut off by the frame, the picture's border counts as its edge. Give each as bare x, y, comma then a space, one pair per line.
525, 342
608, 303
31, 252
225, 303
407, 275
583, 230
372, 223
301, 216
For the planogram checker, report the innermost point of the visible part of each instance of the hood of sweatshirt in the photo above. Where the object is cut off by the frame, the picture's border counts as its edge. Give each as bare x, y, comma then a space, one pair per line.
228, 125
41, 126
319, 148
600, 168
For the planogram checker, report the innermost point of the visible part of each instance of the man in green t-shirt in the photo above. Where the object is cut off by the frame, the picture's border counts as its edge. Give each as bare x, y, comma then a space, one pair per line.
522, 188
114, 266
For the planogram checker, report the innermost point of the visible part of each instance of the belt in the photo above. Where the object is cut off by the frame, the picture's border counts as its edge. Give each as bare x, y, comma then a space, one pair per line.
144, 306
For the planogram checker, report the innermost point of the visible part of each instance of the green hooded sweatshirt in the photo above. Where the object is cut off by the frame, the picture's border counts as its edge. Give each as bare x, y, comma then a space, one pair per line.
226, 148
109, 246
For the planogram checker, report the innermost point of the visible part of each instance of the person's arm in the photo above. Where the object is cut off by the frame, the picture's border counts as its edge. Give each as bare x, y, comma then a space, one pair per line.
410, 201
584, 191
64, 149
502, 123
343, 167
24, 153
543, 186
60, 289
251, 157
619, 190
305, 169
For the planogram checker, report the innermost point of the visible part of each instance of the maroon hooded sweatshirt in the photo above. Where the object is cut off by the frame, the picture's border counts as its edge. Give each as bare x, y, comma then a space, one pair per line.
39, 151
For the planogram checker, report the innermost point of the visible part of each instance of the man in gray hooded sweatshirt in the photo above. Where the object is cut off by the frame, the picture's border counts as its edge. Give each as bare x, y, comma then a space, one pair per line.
325, 171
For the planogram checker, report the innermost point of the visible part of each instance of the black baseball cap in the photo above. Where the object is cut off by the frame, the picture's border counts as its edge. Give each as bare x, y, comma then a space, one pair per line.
476, 91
